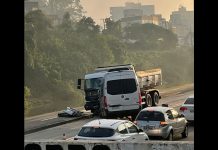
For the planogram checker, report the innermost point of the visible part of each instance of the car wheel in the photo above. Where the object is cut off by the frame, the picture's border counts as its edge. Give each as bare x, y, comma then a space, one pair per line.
149, 100
155, 99
170, 136
185, 132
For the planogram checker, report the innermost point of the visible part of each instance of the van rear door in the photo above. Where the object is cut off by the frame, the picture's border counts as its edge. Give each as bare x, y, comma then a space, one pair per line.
121, 91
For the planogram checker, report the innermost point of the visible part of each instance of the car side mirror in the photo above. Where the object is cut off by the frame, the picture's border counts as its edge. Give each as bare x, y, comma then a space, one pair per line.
140, 130
170, 117
181, 116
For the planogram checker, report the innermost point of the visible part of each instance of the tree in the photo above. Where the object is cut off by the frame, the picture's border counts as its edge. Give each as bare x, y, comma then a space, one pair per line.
113, 28
150, 37
27, 105
87, 26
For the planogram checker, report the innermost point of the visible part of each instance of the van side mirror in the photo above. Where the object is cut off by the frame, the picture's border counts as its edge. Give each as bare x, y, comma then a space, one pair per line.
79, 84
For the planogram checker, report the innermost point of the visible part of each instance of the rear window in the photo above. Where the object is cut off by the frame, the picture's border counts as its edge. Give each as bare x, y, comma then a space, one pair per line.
123, 86
96, 132
189, 101
150, 116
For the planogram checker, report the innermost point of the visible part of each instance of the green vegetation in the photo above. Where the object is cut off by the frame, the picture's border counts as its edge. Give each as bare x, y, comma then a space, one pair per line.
27, 104
56, 56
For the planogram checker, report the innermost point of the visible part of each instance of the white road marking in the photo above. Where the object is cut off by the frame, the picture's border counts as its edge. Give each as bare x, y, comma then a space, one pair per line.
48, 118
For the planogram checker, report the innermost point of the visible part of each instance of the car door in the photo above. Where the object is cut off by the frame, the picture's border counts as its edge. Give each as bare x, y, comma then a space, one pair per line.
180, 124
181, 121
172, 121
132, 129
122, 130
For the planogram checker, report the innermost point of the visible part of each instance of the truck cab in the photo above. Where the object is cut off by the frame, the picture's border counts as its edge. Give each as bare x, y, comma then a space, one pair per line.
93, 88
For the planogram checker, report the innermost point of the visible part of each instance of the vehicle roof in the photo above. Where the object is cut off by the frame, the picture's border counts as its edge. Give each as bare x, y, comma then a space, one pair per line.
157, 108
105, 123
103, 73
95, 75
191, 96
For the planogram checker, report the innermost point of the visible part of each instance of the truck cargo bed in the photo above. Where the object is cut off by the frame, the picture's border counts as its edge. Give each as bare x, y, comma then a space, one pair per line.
149, 78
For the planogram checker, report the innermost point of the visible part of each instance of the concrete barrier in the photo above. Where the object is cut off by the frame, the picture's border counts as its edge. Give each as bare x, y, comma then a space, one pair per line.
108, 145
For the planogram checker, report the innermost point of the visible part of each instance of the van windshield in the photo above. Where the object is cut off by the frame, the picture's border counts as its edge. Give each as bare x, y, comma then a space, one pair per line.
94, 83
122, 86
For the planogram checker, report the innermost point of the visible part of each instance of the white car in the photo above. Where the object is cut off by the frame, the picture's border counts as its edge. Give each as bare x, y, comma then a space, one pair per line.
187, 109
111, 130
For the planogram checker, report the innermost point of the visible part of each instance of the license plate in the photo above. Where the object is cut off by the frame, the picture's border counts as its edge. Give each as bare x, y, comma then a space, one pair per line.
148, 127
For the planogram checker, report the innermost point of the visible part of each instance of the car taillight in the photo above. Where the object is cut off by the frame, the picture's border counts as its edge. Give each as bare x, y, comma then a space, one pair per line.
183, 108
140, 99
105, 102
163, 123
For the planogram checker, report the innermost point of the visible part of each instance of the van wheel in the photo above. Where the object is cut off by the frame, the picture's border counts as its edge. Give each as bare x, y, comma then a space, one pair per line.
155, 99
149, 100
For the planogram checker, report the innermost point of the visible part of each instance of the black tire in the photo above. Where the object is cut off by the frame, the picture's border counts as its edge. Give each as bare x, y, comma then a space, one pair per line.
185, 132
148, 100
170, 136
155, 99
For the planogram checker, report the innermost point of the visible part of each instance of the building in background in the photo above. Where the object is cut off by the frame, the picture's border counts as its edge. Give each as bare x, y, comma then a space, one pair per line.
182, 23
131, 10
136, 13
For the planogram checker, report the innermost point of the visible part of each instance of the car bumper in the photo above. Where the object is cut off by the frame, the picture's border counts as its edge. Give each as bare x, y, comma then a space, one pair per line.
161, 132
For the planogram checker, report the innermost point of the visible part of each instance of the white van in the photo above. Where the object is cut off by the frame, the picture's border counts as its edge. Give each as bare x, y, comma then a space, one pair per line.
121, 94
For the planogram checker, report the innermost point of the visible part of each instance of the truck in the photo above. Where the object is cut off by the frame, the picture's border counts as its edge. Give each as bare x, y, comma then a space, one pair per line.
120, 90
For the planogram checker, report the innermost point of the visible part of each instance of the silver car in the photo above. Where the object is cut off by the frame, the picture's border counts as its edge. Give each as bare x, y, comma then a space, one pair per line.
162, 122
111, 130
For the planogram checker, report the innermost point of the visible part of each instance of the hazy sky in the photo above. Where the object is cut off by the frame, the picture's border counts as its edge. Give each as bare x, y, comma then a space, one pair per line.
99, 9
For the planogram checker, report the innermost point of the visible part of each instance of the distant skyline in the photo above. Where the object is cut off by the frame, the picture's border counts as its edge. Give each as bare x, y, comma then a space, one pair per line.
99, 9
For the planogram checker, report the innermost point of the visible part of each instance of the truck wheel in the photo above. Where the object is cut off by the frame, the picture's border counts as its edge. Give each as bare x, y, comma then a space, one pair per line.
155, 99
149, 100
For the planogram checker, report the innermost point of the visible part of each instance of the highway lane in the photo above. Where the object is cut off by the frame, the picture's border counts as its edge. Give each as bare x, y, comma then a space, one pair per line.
37, 123
71, 129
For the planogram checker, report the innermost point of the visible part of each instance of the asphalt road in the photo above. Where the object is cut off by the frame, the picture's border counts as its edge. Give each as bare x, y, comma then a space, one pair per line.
174, 99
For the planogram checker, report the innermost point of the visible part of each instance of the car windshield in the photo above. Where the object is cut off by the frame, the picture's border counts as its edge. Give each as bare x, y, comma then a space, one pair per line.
96, 132
150, 116
189, 101
94, 83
